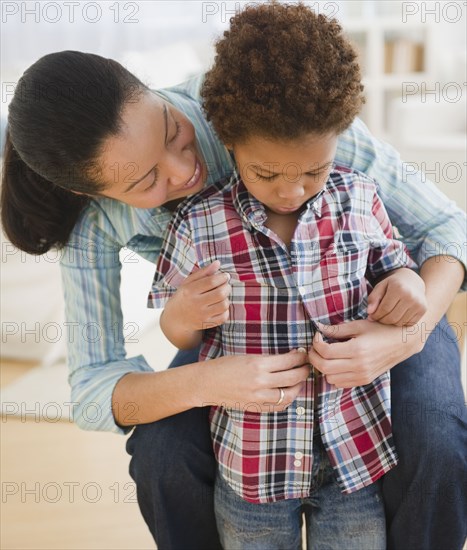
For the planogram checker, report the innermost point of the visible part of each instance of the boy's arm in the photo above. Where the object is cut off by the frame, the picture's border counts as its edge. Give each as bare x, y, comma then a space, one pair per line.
194, 298
201, 302
398, 297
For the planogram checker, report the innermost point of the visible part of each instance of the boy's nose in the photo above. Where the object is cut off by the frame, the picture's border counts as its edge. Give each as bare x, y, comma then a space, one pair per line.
291, 191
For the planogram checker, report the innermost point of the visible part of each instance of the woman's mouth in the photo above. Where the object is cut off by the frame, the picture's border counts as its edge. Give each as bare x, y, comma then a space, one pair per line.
194, 180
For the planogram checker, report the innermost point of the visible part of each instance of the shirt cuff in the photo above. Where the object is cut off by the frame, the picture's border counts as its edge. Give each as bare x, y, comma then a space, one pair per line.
453, 248
158, 296
92, 388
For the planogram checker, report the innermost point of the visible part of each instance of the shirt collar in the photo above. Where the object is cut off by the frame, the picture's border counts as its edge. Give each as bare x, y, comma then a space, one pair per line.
252, 211
249, 208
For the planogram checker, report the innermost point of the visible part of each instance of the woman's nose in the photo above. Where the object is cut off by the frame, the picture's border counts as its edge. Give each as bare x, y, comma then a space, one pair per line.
180, 169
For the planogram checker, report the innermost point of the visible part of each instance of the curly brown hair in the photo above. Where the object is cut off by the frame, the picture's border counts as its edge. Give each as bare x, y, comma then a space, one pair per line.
282, 71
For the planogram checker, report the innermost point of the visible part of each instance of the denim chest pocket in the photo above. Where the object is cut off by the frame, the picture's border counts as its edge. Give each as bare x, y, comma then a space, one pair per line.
342, 282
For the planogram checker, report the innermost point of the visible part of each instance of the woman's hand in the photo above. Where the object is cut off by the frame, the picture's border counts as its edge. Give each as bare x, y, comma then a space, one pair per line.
242, 382
398, 299
370, 349
252, 381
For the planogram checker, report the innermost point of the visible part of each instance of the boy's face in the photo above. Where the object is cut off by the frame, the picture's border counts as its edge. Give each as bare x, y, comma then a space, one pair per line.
284, 175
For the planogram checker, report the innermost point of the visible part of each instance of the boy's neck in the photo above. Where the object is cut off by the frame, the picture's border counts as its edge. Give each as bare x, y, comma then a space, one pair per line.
283, 225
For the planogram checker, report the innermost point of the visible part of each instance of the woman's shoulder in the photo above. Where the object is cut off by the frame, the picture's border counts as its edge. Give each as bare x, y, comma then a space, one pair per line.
117, 223
190, 89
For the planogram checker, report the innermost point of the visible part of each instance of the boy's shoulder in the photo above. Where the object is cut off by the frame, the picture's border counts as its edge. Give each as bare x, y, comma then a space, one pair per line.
348, 180
215, 196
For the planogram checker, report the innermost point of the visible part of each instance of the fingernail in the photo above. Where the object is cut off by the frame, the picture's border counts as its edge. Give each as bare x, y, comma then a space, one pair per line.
301, 350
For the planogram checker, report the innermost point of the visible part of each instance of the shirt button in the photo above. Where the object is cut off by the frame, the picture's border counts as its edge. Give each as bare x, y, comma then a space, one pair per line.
297, 463
298, 455
300, 411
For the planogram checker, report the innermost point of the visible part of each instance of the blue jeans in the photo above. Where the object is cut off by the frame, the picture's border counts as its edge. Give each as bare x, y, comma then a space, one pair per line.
425, 495
333, 520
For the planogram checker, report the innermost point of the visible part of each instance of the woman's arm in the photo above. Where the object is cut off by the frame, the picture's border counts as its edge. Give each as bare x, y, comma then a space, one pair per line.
110, 392
433, 229
372, 348
231, 381
91, 268
430, 224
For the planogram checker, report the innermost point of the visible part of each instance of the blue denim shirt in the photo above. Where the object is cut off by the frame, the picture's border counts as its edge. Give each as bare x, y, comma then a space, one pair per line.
428, 222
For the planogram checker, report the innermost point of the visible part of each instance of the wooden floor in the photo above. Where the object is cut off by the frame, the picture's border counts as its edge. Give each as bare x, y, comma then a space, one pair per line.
63, 488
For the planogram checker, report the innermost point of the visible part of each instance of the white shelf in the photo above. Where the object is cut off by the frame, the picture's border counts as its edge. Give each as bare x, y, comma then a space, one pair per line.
370, 36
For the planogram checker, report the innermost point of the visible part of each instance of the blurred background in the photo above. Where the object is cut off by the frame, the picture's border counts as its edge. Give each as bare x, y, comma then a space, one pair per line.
413, 56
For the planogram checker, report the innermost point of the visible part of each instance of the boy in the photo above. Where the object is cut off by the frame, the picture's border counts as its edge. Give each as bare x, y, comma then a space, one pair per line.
297, 236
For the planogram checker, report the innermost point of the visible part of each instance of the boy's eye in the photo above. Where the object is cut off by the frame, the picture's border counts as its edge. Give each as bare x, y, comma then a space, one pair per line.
267, 178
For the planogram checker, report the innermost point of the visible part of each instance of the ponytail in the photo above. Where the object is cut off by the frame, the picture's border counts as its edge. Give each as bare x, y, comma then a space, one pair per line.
36, 214
65, 107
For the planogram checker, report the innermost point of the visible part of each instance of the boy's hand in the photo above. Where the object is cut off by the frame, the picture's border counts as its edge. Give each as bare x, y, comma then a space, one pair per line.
399, 299
202, 300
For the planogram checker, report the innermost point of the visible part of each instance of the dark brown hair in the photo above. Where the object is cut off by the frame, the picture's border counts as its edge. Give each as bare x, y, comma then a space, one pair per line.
64, 108
282, 71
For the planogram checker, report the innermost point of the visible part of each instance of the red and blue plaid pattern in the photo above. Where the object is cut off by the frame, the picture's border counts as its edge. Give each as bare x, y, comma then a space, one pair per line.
342, 242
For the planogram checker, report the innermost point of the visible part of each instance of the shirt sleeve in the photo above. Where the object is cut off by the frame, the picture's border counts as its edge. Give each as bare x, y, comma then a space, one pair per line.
177, 260
90, 269
429, 223
386, 253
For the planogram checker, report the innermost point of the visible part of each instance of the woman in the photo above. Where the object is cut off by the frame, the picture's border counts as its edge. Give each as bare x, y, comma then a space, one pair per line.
91, 157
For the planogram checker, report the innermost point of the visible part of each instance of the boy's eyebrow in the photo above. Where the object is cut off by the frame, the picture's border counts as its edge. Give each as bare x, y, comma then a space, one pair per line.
271, 173
134, 183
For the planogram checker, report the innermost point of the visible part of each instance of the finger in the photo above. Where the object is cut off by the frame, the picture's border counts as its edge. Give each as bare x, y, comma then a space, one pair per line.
385, 308
342, 331
414, 320
212, 282
218, 308
397, 317
347, 380
375, 297
336, 366
285, 361
336, 350
203, 272
272, 396
288, 378
216, 320
216, 295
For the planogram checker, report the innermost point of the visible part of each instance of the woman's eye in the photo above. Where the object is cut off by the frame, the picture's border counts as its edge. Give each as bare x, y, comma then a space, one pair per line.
178, 129
153, 183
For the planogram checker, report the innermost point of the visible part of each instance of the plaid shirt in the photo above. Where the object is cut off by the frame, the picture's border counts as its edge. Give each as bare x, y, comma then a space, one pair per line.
342, 237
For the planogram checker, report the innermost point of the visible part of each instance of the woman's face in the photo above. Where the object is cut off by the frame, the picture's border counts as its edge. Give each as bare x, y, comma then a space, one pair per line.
154, 159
